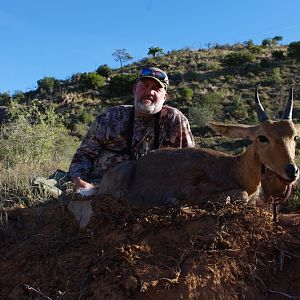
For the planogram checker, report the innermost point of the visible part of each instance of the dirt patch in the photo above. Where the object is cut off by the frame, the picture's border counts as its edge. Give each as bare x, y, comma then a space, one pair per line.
182, 252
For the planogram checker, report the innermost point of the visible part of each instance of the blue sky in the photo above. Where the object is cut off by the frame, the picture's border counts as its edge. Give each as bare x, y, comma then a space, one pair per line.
61, 37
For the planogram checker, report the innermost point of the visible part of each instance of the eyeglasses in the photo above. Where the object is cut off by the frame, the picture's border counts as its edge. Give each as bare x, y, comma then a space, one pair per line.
157, 74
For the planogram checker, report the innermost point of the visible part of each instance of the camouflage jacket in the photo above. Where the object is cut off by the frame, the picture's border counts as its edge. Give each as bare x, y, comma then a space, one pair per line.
105, 144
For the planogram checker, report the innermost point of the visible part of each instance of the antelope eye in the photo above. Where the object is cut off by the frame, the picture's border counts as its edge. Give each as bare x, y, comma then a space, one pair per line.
296, 138
262, 139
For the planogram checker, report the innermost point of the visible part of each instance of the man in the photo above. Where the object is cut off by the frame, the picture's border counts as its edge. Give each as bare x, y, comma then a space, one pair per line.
129, 131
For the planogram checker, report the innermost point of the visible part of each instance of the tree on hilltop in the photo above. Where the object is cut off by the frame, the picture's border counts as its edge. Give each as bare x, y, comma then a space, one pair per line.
154, 51
122, 56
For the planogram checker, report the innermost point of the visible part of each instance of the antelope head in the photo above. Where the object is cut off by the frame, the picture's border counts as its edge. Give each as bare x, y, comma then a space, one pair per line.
274, 141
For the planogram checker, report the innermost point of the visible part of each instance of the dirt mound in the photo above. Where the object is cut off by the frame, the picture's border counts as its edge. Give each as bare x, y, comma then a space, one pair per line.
182, 252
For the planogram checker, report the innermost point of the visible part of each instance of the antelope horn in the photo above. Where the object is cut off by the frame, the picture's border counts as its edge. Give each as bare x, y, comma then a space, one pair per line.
261, 113
288, 112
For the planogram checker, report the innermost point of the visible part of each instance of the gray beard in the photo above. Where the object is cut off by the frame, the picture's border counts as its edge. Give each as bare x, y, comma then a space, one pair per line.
151, 109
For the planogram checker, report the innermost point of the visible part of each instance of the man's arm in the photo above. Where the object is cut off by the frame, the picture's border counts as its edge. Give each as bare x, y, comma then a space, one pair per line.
86, 154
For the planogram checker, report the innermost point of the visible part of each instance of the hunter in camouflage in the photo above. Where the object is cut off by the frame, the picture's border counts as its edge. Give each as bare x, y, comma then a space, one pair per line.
129, 131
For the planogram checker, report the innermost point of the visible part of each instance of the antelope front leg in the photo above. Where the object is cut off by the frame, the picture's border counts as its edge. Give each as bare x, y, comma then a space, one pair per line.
117, 180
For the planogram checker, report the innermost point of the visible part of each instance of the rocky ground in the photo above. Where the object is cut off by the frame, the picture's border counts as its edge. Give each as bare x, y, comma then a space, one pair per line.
182, 252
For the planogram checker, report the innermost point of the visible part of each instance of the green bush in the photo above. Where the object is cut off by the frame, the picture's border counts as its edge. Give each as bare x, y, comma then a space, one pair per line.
213, 100
186, 93
209, 66
275, 77
238, 58
33, 136
294, 50
237, 109
47, 84
92, 80
5, 99
121, 85
200, 115
104, 70
255, 49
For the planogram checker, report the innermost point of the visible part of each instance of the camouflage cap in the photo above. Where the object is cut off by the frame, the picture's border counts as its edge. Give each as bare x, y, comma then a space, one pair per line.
155, 73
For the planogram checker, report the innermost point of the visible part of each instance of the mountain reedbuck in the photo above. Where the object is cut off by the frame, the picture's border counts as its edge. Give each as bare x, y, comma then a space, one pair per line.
166, 175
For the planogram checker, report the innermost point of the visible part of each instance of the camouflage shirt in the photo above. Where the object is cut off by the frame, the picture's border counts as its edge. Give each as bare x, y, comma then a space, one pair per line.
105, 144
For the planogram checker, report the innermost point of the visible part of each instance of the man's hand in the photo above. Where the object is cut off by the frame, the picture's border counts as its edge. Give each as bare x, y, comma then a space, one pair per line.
79, 183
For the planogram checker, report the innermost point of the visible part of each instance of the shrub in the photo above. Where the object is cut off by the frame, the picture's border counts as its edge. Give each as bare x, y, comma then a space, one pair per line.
255, 49
29, 149
121, 85
238, 58
191, 76
237, 108
278, 54
294, 50
104, 70
92, 80
209, 66
47, 84
24, 142
213, 100
186, 93
5, 99
19, 96
200, 115
275, 77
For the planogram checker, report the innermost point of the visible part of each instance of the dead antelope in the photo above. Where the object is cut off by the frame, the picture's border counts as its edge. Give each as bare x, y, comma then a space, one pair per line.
166, 175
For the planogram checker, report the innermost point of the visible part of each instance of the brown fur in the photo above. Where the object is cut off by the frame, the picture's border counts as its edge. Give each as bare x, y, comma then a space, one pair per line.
166, 175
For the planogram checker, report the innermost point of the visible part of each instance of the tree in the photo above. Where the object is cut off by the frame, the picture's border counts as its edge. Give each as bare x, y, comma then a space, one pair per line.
266, 42
154, 51
294, 50
104, 70
122, 56
272, 42
92, 80
277, 39
47, 84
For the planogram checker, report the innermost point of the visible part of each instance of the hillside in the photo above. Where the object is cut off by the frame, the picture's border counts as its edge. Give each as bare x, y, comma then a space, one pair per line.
184, 251
205, 80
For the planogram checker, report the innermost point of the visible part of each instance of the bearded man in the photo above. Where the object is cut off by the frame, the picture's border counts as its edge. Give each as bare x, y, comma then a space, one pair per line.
127, 132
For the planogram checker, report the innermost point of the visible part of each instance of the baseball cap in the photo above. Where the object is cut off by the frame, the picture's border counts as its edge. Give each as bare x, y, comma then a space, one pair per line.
155, 73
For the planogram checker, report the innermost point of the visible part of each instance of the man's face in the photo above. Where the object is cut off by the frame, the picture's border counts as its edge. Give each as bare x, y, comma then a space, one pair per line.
149, 97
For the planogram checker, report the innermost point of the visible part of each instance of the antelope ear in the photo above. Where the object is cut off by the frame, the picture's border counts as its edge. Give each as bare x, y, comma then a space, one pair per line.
235, 131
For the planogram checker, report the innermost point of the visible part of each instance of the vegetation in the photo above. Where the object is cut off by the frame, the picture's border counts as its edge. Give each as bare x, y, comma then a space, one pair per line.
42, 126
272, 42
155, 51
294, 50
32, 144
238, 58
92, 80
104, 70
122, 56
47, 84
